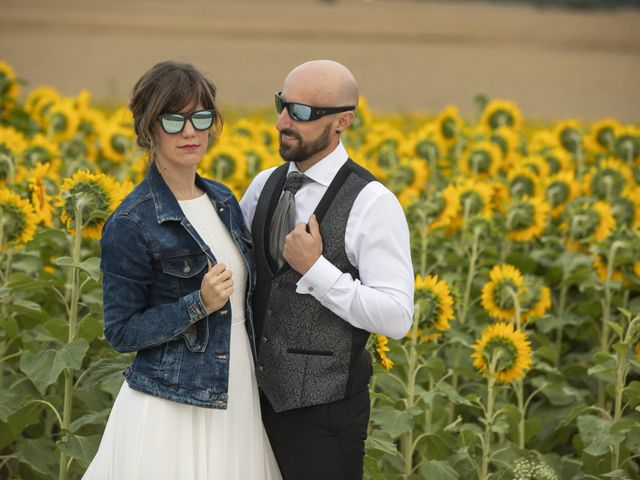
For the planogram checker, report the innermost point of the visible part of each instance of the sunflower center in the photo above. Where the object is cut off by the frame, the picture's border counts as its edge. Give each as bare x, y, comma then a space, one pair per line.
501, 118
73, 150
120, 143
571, 139
628, 147
387, 157
36, 154
59, 122
402, 177
585, 223
503, 294
521, 186
557, 193
479, 161
428, 150
449, 128
623, 211
501, 142
502, 349
429, 307
223, 166
471, 202
13, 222
520, 216
605, 137
91, 197
607, 183
553, 162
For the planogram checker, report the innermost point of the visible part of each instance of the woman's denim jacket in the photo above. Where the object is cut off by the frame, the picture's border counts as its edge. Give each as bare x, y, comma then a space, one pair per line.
153, 262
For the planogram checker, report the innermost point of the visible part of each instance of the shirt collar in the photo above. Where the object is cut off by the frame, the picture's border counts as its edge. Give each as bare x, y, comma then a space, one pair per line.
324, 171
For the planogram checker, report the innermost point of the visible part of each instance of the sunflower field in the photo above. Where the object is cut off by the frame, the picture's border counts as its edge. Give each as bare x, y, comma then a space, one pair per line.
523, 361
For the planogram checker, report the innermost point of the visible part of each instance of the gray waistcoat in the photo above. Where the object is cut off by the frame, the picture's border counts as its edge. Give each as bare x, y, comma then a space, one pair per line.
307, 355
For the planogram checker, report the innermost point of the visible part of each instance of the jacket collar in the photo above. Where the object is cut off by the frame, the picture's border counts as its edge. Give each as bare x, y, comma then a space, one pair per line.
167, 207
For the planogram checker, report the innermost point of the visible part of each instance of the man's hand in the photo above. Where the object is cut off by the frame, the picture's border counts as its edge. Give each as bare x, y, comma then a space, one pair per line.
216, 287
301, 248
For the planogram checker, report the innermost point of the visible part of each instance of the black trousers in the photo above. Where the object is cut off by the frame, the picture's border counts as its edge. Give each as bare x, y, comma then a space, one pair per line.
324, 442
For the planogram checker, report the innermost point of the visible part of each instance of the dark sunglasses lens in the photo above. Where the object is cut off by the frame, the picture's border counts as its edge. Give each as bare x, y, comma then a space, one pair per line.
202, 120
172, 123
279, 104
299, 112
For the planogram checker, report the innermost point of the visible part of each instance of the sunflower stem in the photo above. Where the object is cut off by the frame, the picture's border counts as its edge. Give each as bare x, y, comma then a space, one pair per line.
407, 441
73, 320
470, 275
564, 290
424, 249
606, 313
489, 417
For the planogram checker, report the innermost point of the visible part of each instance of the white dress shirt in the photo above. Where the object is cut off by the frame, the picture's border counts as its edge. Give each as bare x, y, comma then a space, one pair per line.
376, 244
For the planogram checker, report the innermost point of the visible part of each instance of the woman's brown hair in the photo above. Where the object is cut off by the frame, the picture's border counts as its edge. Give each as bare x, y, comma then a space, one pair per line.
170, 87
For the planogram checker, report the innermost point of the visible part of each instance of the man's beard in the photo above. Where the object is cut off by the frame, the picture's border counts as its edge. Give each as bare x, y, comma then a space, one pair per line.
302, 151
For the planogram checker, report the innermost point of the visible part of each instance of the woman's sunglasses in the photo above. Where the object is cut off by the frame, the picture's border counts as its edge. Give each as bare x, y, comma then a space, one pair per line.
173, 123
306, 113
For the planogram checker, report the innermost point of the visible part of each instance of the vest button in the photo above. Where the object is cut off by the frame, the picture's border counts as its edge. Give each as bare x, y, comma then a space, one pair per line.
264, 339
260, 368
276, 283
269, 312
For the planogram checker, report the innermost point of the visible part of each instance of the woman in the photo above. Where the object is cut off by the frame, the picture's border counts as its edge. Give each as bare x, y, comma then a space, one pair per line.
178, 277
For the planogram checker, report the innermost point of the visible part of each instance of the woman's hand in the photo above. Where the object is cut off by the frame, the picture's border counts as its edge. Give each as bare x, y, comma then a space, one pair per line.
216, 287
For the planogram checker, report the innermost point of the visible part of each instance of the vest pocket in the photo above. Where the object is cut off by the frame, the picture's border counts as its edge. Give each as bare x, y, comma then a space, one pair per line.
300, 351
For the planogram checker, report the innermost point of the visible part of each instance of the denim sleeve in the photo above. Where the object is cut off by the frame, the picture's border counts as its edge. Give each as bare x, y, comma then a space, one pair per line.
130, 324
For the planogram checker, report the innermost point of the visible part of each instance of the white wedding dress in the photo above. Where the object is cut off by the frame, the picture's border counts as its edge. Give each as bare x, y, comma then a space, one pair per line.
150, 438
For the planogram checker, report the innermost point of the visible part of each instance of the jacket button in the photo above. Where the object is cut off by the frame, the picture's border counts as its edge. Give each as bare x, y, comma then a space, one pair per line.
186, 268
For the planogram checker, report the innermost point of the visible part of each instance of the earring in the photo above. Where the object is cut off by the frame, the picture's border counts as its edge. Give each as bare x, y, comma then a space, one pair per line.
338, 132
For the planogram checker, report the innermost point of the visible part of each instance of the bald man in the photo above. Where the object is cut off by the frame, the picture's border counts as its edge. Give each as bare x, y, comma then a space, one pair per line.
333, 265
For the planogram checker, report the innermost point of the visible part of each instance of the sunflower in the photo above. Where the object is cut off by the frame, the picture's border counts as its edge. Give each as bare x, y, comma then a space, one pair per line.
523, 182
559, 190
537, 165
608, 180
449, 124
636, 268
62, 120
526, 218
496, 295
17, 220
427, 144
91, 123
637, 353
381, 148
115, 141
474, 198
509, 348
435, 302
542, 140
39, 150
363, 116
586, 219
225, 163
95, 194
407, 180
12, 142
569, 135
626, 208
602, 135
481, 160
39, 101
627, 144
558, 160
500, 113
536, 299
381, 347
41, 180
506, 139
441, 207
9, 88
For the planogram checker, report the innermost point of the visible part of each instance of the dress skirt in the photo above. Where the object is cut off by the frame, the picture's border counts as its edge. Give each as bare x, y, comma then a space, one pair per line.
150, 438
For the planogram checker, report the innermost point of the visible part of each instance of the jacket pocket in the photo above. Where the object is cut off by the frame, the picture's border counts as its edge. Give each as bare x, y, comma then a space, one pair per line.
186, 272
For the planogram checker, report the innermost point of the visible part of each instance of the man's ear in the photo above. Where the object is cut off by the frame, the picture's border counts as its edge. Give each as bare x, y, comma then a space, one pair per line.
344, 120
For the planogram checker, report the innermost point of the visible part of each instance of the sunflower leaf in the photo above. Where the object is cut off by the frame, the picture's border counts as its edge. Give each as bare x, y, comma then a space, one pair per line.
82, 449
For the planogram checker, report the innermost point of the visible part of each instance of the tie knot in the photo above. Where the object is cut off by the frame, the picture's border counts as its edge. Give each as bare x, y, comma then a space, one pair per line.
294, 181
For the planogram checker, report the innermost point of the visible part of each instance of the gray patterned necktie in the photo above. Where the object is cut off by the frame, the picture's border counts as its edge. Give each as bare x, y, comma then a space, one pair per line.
284, 216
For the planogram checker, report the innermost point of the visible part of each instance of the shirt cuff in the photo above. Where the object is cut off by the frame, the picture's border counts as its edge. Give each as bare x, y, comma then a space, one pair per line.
319, 278
195, 307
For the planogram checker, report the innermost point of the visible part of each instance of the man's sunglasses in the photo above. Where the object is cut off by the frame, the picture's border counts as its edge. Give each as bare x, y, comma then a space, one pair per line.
306, 113
173, 123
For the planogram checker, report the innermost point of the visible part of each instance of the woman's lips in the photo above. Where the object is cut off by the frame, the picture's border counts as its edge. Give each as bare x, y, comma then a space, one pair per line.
189, 148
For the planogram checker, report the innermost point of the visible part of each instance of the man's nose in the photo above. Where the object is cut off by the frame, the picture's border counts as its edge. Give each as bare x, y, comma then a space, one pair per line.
284, 120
